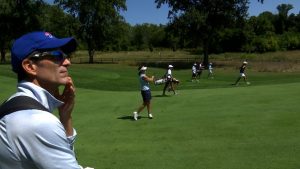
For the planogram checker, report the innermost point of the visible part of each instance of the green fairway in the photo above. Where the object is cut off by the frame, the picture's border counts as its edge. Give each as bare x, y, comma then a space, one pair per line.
253, 127
208, 125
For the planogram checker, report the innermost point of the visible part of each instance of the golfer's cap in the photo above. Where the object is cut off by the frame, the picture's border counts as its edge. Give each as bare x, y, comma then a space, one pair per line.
245, 62
170, 66
38, 41
143, 68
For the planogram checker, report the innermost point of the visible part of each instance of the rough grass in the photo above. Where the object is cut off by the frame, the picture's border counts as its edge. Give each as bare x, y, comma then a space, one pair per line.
282, 61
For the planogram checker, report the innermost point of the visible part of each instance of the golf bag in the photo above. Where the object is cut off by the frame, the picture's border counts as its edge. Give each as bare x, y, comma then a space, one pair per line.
160, 81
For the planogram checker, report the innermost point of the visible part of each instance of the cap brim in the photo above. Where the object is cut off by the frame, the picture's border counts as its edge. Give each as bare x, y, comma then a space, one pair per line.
67, 45
143, 68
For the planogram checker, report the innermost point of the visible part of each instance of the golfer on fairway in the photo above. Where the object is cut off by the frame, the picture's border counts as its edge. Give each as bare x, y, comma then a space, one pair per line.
242, 74
145, 92
194, 72
210, 71
169, 84
32, 137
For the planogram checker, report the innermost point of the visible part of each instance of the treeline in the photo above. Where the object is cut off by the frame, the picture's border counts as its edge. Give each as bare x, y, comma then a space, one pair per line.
98, 26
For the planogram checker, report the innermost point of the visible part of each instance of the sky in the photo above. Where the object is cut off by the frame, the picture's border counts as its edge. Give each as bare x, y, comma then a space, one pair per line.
145, 11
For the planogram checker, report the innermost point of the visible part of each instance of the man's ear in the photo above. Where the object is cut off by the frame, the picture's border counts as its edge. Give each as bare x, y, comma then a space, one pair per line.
29, 66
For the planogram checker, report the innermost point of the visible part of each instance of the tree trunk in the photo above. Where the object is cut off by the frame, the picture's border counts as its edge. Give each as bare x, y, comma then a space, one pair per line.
3, 60
205, 55
91, 55
91, 51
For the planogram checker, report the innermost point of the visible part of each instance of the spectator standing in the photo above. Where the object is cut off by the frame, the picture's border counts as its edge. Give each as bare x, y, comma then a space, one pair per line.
34, 138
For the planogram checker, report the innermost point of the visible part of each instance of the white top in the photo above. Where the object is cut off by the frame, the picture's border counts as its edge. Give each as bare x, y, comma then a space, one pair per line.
169, 72
144, 83
194, 69
35, 139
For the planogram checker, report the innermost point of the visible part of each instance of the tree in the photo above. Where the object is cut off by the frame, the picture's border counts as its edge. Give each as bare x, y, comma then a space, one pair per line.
140, 37
96, 20
294, 23
5, 13
120, 37
203, 19
148, 36
282, 19
55, 20
17, 18
264, 23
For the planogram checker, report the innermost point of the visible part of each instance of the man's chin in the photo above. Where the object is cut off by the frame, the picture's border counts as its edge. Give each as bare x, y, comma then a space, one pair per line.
64, 81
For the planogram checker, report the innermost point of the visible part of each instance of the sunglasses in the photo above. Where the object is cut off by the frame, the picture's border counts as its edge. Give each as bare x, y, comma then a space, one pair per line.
57, 56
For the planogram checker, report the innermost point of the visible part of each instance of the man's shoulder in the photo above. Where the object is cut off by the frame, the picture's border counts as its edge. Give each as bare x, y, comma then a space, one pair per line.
30, 123
18, 103
31, 118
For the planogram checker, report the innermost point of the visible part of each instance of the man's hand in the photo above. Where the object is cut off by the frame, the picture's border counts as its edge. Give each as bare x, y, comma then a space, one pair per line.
65, 110
68, 97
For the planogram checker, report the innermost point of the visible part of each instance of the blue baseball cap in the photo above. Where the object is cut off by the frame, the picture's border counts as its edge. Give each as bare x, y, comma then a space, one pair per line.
38, 41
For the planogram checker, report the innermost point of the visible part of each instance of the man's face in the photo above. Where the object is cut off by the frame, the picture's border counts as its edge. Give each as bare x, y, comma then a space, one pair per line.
52, 70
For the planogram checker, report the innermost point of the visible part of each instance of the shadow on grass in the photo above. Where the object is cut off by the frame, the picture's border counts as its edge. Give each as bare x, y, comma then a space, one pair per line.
126, 117
161, 95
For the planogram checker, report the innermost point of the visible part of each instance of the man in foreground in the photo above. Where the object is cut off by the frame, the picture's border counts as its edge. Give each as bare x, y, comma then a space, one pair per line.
35, 138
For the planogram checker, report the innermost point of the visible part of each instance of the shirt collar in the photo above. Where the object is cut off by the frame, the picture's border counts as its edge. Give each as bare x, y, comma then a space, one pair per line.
40, 94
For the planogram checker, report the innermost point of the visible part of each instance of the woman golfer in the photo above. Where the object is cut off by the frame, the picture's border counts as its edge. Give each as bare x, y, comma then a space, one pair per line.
145, 91
242, 74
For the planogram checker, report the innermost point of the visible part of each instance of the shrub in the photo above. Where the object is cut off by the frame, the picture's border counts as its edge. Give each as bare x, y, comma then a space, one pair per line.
290, 41
266, 43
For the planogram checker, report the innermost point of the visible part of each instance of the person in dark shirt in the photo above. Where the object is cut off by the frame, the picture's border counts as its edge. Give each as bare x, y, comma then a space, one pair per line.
242, 74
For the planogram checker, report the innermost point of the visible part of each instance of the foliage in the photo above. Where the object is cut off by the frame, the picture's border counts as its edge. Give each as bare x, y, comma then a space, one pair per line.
66, 25
266, 43
204, 26
96, 18
202, 20
146, 36
290, 41
17, 18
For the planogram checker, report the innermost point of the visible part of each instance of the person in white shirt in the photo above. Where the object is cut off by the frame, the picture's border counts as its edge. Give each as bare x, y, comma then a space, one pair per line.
194, 72
210, 71
169, 80
32, 138
199, 70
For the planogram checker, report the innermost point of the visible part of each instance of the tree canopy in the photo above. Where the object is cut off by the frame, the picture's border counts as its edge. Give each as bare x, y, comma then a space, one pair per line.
16, 18
203, 26
96, 19
202, 20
